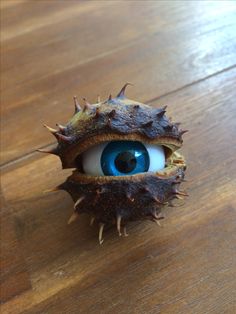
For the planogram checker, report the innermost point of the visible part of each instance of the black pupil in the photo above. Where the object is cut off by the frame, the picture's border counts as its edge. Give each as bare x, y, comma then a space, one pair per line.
125, 162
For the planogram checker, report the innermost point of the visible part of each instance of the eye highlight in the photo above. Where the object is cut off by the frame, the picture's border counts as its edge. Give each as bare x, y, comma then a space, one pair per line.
119, 158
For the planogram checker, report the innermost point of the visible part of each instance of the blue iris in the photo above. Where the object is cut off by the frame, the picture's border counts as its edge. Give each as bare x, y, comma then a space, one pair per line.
124, 158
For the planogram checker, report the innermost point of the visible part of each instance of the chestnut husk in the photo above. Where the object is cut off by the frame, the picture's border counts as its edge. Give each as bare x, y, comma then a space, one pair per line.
117, 200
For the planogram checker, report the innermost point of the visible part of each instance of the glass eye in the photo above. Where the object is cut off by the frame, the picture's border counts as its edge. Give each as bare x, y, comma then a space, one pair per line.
119, 158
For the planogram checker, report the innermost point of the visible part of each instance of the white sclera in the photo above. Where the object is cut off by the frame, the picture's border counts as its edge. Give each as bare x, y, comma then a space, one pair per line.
91, 160
156, 156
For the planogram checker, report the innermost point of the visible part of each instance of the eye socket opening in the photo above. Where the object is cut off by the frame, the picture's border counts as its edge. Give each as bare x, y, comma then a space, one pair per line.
79, 163
79, 159
168, 152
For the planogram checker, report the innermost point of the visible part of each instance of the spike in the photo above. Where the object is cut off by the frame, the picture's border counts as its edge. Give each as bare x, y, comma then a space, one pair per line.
101, 227
180, 193
50, 151
53, 131
101, 190
122, 91
178, 197
161, 113
98, 99
73, 217
118, 223
92, 220
125, 232
147, 124
86, 102
56, 189
181, 132
109, 122
158, 201
112, 113
154, 215
97, 112
130, 198
144, 189
77, 105
79, 200
87, 105
63, 138
63, 186
171, 204
110, 97
157, 222
62, 128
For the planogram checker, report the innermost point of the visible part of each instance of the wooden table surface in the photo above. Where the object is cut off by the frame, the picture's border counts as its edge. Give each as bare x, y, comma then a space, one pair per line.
180, 54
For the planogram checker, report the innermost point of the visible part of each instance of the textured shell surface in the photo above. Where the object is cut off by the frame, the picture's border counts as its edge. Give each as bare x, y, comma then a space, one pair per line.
111, 199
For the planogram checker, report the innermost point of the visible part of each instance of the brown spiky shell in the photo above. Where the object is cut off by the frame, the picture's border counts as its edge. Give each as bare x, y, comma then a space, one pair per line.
119, 199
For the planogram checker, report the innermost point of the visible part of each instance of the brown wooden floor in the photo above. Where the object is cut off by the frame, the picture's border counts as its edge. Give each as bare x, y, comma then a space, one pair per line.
182, 54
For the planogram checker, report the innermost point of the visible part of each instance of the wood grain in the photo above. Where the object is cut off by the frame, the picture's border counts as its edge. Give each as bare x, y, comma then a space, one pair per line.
14, 278
69, 269
178, 54
149, 48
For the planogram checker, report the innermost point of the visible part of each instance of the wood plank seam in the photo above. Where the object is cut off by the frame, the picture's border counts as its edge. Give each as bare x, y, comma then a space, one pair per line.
25, 156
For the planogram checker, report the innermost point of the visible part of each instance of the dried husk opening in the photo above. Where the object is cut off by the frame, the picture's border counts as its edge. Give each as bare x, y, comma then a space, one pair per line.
72, 157
173, 164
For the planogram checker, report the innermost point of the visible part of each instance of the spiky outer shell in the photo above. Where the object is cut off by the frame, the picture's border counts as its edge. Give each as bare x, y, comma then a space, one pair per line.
135, 197
115, 119
132, 198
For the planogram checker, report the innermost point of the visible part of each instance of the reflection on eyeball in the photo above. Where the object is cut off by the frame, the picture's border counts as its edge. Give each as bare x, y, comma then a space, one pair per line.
125, 161
119, 158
